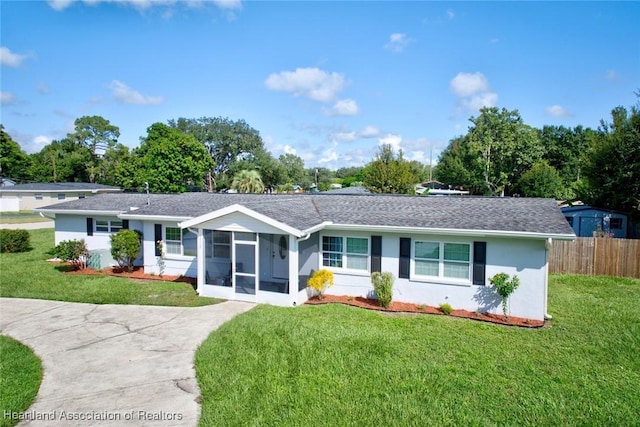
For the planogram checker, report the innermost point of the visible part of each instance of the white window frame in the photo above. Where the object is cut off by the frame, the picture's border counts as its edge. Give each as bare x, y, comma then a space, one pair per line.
62, 196
210, 249
441, 262
167, 241
109, 224
345, 254
38, 196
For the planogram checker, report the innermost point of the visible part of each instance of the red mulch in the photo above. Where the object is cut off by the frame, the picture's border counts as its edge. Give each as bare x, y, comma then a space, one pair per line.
137, 274
403, 307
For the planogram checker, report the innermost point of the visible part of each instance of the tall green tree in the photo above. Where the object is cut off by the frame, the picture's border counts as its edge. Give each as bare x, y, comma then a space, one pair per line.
248, 181
229, 142
116, 167
542, 180
95, 133
497, 149
389, 173
294, 168
612, 172
61, 161
170, 161
14, 163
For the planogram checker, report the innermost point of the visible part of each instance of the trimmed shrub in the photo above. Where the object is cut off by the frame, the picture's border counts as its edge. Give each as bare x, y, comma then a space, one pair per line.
73, 251
125, 248
383, 286
504, 287
14, 241
321, 280
446, 308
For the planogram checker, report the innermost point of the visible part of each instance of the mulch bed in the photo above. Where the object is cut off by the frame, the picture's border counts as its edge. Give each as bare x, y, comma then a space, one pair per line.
137, 274
403, 307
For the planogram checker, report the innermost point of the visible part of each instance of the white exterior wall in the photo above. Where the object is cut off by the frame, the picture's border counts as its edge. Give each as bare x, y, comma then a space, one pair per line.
525, 258
26, 201
174, 265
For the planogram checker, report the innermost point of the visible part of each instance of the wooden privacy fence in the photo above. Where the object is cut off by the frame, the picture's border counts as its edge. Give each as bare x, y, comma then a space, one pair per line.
596, 256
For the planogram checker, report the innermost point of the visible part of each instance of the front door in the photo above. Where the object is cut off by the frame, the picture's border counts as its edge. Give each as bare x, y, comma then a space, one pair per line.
245, 269
280, 256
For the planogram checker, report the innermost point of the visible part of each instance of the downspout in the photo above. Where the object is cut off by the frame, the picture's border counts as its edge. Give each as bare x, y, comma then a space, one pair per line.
547, 247
53, 218
198, 261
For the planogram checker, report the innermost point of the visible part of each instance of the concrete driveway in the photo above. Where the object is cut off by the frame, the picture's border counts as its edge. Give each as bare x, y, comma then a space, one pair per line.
112, 365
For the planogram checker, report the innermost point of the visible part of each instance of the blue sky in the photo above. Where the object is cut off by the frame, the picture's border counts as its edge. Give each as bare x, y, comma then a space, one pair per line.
328, 81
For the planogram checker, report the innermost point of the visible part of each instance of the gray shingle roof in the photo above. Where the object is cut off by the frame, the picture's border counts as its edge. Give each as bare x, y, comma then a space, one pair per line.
303, 211
60, 186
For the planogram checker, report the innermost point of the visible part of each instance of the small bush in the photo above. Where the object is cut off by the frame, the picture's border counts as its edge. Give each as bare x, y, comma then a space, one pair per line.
504, 287
446, 308
73, 251
321, 280
383, 286
125, 248
14, 241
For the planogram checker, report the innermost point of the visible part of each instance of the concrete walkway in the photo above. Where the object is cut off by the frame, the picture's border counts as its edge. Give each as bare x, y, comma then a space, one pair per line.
28, 225
112, 365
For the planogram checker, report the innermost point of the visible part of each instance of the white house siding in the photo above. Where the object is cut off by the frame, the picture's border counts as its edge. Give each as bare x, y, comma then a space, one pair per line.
174, 265
26, 201
525, 258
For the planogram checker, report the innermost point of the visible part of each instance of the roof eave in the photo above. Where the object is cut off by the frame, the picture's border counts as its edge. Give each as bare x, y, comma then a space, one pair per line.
453, 231
142, 217
79, 211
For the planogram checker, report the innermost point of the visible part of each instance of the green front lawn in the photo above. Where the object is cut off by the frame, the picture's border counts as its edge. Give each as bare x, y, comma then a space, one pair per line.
336, 365
29, 275
20, 377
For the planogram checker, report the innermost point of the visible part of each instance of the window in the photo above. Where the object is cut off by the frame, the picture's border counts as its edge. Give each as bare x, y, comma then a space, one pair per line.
81, 196
108, 226
345, 252
222, 244
615, 224
179, 242
62, 196
38, 196
438, 259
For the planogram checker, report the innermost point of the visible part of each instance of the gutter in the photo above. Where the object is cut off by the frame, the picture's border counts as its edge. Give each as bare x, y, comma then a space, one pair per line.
53, 218
77, 212
309, 231
547, 246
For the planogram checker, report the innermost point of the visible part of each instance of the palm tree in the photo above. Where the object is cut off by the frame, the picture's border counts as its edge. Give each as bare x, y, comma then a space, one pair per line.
248, 181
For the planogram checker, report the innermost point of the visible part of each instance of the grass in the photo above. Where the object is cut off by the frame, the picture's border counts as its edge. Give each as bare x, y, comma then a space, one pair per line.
21, 217
20, 377
28, 275
337, 365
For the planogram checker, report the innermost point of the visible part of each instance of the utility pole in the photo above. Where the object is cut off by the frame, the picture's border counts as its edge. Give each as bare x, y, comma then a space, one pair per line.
430, 163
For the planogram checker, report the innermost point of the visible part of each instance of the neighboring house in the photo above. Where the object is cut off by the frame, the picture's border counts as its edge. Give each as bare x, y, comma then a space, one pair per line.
27, 197
588, 221
436, 188
263, 248
6, 182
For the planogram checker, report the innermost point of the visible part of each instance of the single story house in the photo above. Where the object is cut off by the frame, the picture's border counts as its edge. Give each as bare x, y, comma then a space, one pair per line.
588, 221
263, 248
27, 197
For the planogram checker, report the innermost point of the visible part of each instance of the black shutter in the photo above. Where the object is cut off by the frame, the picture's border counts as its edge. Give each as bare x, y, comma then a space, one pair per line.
125, 224
89, 226
158, 237
479, 262
405, 257
376, 253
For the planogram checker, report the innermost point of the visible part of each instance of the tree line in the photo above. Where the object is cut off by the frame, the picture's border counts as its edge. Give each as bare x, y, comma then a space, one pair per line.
499, 155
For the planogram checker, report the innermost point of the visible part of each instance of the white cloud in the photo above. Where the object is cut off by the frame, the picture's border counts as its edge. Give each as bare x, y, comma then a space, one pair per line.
473, 91
289, 150
467, 84
557, 111
398, 42
42, 88
369, 132
123, 93
345, 136
486, 99
142, 5
40, 141
451, 14
392, 139
329, 155
11, 59
7, 98
344, 107
312, 83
